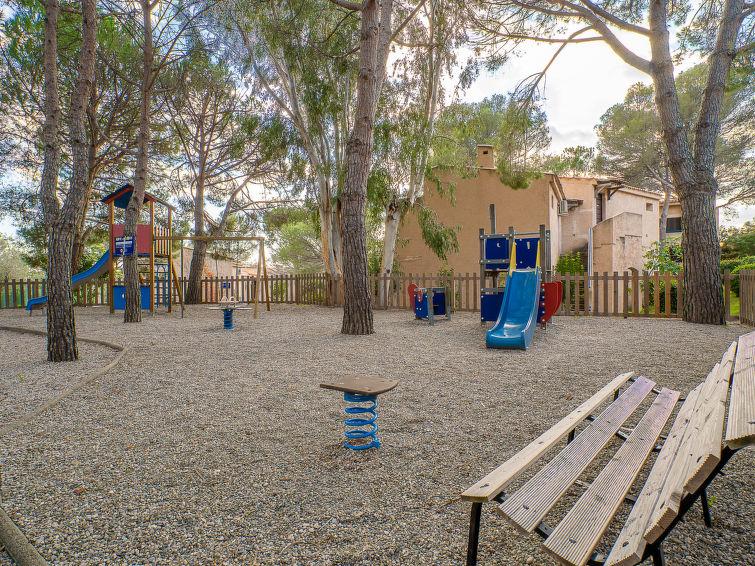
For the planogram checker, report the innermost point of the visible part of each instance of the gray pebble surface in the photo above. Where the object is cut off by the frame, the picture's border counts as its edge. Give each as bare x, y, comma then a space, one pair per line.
28, 380
207, 446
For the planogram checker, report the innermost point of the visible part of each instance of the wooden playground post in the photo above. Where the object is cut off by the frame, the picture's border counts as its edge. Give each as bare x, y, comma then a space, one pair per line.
264, 274
153, 243
170, 261
111, 259
257, 290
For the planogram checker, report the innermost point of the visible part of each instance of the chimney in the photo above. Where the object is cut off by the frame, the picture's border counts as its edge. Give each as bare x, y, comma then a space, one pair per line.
485, 157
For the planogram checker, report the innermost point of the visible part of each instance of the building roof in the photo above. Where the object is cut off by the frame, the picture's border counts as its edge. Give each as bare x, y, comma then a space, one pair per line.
121, 197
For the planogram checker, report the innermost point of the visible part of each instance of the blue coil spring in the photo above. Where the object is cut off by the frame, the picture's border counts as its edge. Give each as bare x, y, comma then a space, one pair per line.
366, 427
228, 319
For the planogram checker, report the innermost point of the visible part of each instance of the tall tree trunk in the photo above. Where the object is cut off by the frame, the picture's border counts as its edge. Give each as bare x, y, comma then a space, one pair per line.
51, 168
133, 310
82, 233
61, 323
392, 220
702, 285
357, 309
196, 269
703, 299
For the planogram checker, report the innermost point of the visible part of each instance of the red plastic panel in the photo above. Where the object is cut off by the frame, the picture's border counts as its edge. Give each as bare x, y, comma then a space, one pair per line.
553, 293
143, 237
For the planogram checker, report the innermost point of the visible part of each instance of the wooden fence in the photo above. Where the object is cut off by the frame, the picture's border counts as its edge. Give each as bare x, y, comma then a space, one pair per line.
747, 296
627, 294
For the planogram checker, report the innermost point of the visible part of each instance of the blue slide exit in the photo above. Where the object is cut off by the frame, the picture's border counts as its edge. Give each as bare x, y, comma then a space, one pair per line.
516, 321
77, 280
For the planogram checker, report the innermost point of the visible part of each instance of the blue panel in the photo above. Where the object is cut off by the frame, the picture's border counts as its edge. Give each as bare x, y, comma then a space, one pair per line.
119, 297
439, 304
526, 253
497, 248
490, 306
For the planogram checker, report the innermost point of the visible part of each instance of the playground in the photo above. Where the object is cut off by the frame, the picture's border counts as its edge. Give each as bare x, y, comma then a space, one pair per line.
208, 446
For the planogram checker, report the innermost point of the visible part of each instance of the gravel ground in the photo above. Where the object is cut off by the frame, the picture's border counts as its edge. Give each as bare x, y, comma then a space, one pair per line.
205, 446
27, 380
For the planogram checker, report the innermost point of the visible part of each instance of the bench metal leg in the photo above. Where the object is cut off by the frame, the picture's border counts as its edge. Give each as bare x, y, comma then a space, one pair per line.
658, 558
706, 509
474, 533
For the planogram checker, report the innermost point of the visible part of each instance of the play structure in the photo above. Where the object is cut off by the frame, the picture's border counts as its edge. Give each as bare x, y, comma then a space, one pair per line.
156, 272
520, 294
422, 297
154, 249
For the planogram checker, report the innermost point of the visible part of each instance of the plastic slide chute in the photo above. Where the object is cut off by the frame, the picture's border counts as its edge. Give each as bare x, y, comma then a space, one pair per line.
518, 316
77, 280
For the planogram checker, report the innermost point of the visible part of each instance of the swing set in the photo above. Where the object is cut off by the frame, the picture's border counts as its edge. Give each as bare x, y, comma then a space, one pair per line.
261, 274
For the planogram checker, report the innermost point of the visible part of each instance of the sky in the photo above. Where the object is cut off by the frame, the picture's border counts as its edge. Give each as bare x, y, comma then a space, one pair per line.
585, 80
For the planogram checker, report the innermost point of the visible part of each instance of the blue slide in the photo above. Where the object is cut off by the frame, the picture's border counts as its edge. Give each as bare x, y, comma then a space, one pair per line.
516, 321
77, 280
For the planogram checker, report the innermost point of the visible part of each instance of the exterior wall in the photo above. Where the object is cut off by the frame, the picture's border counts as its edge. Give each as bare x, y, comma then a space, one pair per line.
554, 223
627, 200
524, 209
675, 211
575, 228
617, 243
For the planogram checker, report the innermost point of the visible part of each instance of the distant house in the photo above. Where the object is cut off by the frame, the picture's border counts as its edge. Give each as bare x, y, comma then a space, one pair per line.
525, 209
613, 221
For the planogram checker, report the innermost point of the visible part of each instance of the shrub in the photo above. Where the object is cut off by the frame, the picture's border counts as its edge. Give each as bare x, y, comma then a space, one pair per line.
570, 263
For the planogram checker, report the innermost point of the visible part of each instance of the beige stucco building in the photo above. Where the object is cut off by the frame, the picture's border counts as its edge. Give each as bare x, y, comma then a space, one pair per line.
524, 209
619, 222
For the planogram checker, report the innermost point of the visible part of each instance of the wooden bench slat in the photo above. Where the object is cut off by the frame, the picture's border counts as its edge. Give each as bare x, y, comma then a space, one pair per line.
533, 500
575, 537
740, 428
684, 465
497, 480
630, 545
709, 426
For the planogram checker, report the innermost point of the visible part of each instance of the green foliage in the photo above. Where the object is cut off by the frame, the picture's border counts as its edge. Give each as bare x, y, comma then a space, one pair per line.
630, 142
572, 161
299, 248
12, 264
570, 263
738, 242
519, 135
439, 238
664, 258
735, 265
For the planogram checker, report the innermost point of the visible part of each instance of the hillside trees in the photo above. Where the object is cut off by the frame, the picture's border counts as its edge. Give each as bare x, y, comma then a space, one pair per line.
519, 135
228, 145
722, 31
630, 140
110, 121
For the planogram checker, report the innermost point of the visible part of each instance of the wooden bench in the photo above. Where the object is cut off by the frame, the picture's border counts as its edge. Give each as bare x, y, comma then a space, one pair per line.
689, 458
